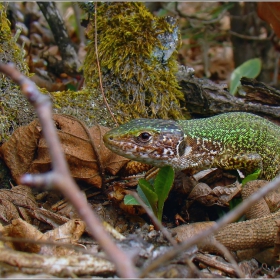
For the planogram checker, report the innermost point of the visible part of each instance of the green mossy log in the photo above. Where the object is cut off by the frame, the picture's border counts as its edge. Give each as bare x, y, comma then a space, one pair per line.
15, 110
137, 55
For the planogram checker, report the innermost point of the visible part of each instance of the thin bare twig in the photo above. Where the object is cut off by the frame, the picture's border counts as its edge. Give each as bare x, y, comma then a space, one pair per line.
248, 37
229, 257
195, 272
156, 222
60, 176
229, 218
98, 64
201, 21
210, 262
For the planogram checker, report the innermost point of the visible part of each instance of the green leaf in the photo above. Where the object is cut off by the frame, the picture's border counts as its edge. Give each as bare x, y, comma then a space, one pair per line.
143, 197
71, 87
250, 69
147, 184
147, 194
163, 184
251, 177
162, 13
130, 200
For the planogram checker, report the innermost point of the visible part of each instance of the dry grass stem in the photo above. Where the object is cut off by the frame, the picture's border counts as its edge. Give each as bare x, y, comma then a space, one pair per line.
98, 64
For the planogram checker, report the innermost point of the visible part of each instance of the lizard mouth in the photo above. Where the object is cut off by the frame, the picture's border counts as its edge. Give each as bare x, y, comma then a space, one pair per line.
109, 141
120, 147
129, 149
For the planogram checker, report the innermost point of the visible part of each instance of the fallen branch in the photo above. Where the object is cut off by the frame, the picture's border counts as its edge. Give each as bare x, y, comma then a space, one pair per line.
227, 255
60, 177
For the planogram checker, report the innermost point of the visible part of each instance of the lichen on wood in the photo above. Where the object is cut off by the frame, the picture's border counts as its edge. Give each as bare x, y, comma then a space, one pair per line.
138, 67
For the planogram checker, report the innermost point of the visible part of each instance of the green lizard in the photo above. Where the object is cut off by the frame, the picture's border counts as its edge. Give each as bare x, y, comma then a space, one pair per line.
229, 141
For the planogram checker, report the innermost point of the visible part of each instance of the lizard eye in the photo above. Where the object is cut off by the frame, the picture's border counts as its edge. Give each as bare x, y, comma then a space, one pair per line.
144, 137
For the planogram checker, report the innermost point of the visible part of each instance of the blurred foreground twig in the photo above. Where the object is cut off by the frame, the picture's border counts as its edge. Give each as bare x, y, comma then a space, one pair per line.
60, 177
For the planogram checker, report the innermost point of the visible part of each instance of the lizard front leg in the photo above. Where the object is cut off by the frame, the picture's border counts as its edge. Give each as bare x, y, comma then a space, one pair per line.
244, 162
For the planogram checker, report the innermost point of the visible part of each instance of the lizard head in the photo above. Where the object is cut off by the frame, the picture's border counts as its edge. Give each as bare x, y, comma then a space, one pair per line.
151, 141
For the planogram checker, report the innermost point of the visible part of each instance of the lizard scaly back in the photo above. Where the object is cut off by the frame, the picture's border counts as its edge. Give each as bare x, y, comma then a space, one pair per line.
230, 141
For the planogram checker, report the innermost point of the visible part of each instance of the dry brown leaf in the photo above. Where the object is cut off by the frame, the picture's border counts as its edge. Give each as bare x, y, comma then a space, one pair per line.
47, 84
25, 215
77, 146
19, 151
66, 209
69, 233
219, 195
21, 229
8, 211
20, 196
270, 12
86, 154
20, 202
221, 62
48, 217
226, 194
14, 203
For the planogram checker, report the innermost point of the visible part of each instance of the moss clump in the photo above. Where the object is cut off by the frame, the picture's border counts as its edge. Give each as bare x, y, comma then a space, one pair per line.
15, 109
82, 105
138, 75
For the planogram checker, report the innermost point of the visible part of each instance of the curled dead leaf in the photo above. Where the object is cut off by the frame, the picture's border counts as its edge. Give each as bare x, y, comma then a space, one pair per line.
48, 217
219, 195
69, 232
19, 151
15, 202
21, 229
86, 154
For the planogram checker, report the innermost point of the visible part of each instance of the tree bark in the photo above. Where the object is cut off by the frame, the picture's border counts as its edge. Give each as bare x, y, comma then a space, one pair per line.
70, 63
